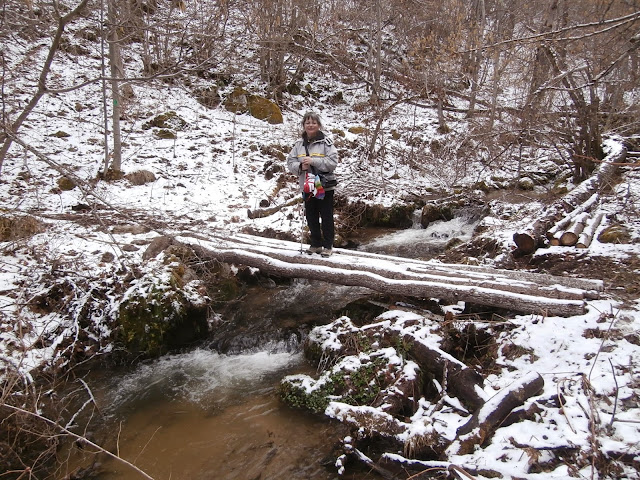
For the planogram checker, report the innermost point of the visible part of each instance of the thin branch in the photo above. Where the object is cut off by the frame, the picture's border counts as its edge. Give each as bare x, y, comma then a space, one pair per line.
615, 403
617, 22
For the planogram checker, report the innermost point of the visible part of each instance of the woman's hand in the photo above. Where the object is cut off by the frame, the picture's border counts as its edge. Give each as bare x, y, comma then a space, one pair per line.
305, 163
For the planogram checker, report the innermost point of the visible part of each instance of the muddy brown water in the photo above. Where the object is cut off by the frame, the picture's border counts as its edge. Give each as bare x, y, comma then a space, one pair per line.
202, 415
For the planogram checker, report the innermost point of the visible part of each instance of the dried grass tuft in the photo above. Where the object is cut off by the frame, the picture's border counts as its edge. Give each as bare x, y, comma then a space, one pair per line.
14, 227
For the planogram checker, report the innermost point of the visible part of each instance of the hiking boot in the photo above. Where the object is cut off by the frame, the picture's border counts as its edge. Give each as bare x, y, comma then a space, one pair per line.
326, 252
312, 250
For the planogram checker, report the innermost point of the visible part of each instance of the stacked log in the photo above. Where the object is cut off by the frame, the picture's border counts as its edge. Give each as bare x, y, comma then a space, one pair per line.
570, 236
555, 233
519, 291
565, 215
586, 237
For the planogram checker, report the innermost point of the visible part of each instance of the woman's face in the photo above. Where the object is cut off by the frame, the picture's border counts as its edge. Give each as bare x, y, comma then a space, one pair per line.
311, 127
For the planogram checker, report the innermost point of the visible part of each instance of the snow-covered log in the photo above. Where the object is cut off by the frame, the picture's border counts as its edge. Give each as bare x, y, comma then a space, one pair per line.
554, 240
529, 240
417, 466
570, 236
265, 212
463, 382
586, 237
400, 276
371, 419
372, 422
491, 415
571, 217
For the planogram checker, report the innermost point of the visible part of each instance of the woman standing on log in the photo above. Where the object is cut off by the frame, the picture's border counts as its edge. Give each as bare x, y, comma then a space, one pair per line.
313, 159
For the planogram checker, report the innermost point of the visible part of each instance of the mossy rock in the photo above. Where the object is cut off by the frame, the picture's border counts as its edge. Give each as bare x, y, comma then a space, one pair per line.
359, 386
357, 130
241, 101
432, 213
113, 175
66, 184
526, 184
293, 89
165, 134
13, 227
353, 380
169, 120
294, 394
615, 234
396, 216
160, 317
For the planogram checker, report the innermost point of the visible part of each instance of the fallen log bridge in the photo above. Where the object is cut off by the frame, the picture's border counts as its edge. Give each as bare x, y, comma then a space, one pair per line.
513, 290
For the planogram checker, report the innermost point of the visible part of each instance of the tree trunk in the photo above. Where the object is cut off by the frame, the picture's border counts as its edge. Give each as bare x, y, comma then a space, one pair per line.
116, 68
477, 47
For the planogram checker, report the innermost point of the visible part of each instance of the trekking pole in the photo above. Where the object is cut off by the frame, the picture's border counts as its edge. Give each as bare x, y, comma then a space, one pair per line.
302, 225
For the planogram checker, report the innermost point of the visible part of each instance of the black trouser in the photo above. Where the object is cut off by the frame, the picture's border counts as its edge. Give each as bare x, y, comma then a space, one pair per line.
320, 209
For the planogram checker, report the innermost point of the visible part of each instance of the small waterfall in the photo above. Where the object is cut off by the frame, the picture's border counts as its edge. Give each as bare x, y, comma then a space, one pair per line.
416, 218
419, 242
201, 377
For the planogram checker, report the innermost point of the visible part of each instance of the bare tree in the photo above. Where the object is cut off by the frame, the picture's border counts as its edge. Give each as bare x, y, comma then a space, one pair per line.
116, 68
280, 24
42, 88
570, 69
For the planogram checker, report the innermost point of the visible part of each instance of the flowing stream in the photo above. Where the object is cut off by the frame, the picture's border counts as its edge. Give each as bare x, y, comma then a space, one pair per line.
202, 415
207, 415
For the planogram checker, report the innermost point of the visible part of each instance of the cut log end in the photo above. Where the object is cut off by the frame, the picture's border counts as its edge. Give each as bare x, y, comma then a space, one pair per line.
526, 243
568, 239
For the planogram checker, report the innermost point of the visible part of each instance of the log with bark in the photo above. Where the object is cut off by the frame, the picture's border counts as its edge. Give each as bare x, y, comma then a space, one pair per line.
491, 415
463, 382
562, 226
394, 275
265, 212
570, 236
529, 240
586, 237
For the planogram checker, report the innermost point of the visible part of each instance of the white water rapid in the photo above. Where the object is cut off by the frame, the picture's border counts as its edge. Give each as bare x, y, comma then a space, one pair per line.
418, 242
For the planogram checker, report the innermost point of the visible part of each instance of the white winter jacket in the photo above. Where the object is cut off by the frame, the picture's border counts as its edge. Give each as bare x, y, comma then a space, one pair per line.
323, 154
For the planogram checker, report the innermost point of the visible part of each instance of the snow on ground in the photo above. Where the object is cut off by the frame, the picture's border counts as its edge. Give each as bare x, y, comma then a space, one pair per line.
209, 177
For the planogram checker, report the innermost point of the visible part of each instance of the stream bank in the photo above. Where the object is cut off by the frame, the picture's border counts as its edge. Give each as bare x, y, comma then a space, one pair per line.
254, 315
